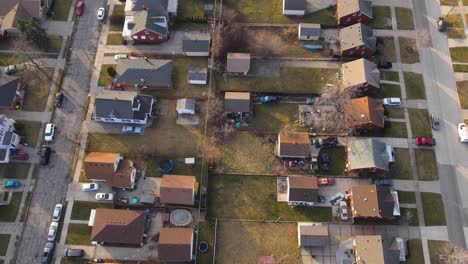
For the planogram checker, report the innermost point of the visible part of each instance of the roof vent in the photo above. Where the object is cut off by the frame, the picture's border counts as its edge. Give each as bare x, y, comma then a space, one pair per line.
365, 199
363, 116
142, 80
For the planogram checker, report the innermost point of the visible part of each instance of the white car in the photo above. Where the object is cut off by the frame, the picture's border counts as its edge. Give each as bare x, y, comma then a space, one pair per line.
10, 69
89, 187
120, 56
52, 231
131, 129
391, 101
343, 210
49, 132
57, 212
463, 132
101, 13
104, 196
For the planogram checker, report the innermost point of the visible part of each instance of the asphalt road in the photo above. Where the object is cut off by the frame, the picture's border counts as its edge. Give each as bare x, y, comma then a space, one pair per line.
52, 181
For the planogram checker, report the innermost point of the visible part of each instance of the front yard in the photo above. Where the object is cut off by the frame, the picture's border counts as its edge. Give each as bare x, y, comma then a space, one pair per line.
401, 168
416, 255
409, 50
406, 197
414, 85
105, 78
420, 123
459, 54
382, 18
392, 129
462, 88
387, 49
404, 18
433, 207
389, 90
61, 10
254, 197
115, 39
409, 216
37, 85
426, 165
81, 209
14, 170
390, 76
437, 247
4, 241
28, 131
79, 234
9, 212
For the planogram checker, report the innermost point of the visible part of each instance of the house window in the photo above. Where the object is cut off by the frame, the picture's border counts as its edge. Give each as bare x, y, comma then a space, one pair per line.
354, 14
363, 52
135, 37
143, 37
146, 32
151, 37
351, 52
159, 37
348, 19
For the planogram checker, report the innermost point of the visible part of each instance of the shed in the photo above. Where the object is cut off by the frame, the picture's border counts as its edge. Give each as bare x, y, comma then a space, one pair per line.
309, 31
196, 44
197, 76
237, 102
238, 63
185, 106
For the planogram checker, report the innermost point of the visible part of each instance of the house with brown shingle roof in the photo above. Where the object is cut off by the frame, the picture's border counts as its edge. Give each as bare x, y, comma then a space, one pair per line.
293, 145
361, 75
117, 227
177, 189
312, 235
302, 190
13, 10
238, 63
373, 202
369, 249
110, 168
175, 245
349, 12
357, 40
364, 114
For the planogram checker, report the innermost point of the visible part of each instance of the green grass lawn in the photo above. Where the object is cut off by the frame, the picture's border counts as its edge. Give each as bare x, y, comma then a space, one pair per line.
82, 209
119, 10
462, 88
426, 165
55, 43
115, 39
14, 170
37, 86
389, 51
28, 131
206, 233
382, 18
449, 2
4, 241
390, 76
433, 206
401, 168
254, 197
274, 117
407, 197
393, 112
456, 33
460, 68
409, 50
414, 85
415, 252
437, 247
291, 81
454, 20
152, 169
248, 153
79, 234
389, 90
9, 212
61, 10
104, 77
392, 129
459, 54
420, 124
191, 8
404, 18
8, 59
337, 157
410, 216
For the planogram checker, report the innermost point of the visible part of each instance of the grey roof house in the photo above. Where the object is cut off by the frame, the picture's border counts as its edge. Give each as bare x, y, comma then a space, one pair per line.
196, 44
357, 40
238, 63
309, 31
123, 107
237, 102
312, 235
160, 7
9, 91
198, 76
144, 73
369, 156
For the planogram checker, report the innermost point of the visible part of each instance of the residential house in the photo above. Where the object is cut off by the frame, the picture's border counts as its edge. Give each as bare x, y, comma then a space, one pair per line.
238, 105
302, 190
238, 63
294, 7
361, 75
357, 41
9, 140
309, 31
364, 114
185, 106
312, 235
13, 10
175, 245
110, 168
373, 202
143, 27
368, 249
115, 227
369, 156
144, 73
198, 76
178, 189
293, 145
10, 92
349, 12
161, 8
123, 107
196, 44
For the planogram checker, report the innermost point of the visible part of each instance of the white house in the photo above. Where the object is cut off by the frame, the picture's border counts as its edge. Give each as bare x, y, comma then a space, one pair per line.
294, 7
185, 106
9, 140
302, 190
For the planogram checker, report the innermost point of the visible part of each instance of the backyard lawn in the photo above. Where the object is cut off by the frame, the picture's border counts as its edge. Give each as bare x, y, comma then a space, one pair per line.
61, 10
409, 216
291, 81
462, 88
389, 90
28, 131
9, 212
8, 59
433, 207
206, 233
37, 86
404, 18
190, 8
459, 54
245, 241
14, 170
414, 85
79, 234
460, 68
401, 168
390, 76
254, 197
415, 250
426, 165
388, 51
274, 117
337, 157
406, 197
409, 50
104, 77
81, 209
4, 241
248, 153
115, 39
382, 18
420, 123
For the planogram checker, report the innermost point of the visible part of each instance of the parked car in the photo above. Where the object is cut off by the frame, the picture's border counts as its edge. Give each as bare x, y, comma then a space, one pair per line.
49, 132
335, 199
48, 252
10, 69
435, 123
330, 141
383, 182
11, 184
44, 155
425, 141
391, 101
343, 210
58, 99
131, 129
104, 196
18, 155
269, 99
384, 65
441, 24
89, 187
463, 132
69, 252
101, 13
57, 212
52, 231
120, 56
80, 7
326, 181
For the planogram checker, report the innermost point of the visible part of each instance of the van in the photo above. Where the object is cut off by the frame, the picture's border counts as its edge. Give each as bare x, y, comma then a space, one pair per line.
73, 252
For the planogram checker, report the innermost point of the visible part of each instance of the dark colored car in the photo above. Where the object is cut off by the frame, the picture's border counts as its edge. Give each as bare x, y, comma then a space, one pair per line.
435, 123
48, 252
58, 99
268, 99
425, 141
384, 65
18, 155
441, 24
44, 155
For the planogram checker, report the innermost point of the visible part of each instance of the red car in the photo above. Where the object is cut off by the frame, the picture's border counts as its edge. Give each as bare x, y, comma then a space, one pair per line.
425, 141
326, 181
79, 8
19, 156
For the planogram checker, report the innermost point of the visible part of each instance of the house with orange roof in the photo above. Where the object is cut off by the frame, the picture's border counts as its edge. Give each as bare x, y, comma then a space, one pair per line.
110, 168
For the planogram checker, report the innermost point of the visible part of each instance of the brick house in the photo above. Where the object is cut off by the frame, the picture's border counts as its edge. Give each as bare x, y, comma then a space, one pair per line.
373, 202
361, 75
110, 168
357, 40
364, 114
369, 157
145, 28
349, 12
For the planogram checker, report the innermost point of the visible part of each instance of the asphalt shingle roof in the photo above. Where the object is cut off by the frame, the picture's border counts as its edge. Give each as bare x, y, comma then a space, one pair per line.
119, 104
152, 72
357, 35
368, 153
8, 87
196, 42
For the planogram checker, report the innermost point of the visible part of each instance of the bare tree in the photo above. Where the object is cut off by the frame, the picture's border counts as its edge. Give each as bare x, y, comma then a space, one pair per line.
214, 108
453, 254
336, 97
227, 38
25, 51
212, 152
